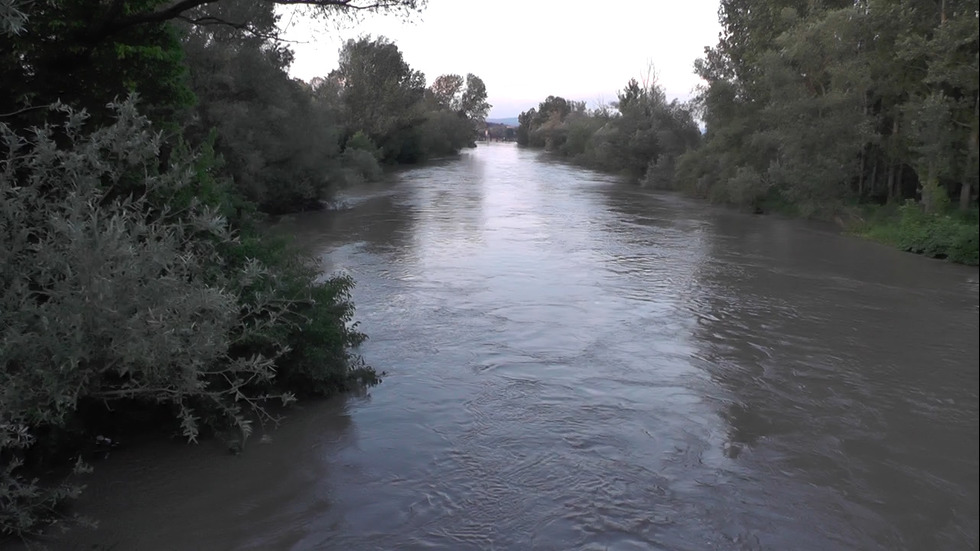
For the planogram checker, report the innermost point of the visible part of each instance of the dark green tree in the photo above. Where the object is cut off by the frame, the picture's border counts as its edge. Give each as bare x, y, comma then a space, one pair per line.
86, 52
473, 100
128, 282
382, 96
642, 139
447, 92
279, 144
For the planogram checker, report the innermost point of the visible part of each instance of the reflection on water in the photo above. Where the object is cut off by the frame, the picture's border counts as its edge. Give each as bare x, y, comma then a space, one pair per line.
576, 363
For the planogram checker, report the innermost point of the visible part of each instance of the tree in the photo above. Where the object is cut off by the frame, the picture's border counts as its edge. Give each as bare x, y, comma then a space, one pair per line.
86, 52
824, 93
129, 280
57, 58
280, 145
473, 101
120, 16
454, 113
381, 94
542, 127
525, 123
817, 120
953, 97
447, 91
642, 140
12, 17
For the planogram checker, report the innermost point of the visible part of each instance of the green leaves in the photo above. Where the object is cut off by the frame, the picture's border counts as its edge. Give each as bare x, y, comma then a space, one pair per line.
473, 103
642, 140
115, 288
12, 17
129, 277
953, 237
835, 98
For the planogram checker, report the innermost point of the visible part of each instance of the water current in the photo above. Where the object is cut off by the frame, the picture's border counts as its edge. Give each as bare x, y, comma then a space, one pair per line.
574, 362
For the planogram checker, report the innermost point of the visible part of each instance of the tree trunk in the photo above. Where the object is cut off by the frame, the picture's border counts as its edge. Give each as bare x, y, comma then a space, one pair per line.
929, 189
874, 176
892, 195
972, 154
892, 186
861, 175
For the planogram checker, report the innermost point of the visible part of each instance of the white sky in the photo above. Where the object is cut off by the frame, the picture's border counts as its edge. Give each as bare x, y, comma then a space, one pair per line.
526, 50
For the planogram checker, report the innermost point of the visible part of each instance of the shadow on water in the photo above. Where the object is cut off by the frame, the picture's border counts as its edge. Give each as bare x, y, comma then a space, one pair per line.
391, 218
849, 373
844, 370
371, 218
171, 495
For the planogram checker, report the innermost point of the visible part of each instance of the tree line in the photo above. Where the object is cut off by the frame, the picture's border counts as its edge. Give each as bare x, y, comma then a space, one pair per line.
141, 142
641, 135
821, 108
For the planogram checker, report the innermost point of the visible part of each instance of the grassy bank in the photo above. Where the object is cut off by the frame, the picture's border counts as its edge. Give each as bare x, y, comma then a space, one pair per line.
951, 235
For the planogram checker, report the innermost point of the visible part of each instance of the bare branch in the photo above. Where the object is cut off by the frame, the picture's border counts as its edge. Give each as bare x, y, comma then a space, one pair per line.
244, 26
24, 110
114, 24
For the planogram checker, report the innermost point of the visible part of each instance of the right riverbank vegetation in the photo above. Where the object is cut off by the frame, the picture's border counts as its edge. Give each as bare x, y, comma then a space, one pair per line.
864, 112
141, 144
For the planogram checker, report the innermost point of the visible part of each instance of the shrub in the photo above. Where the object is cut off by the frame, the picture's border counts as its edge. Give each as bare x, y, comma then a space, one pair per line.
747, 188
445, 133
660, 173
362, 142
943, 235
360, 166
118, 285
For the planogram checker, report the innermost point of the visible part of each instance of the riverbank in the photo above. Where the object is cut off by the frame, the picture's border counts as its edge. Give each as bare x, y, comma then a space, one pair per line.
950, 235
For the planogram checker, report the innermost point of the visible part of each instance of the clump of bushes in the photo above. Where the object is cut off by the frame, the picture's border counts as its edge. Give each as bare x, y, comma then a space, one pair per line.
641, 139
361, 160
953, 236
124, 282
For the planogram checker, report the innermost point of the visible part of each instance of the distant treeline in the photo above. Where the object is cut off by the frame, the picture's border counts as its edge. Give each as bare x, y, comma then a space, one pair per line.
139, 141
288, 144
641, 136
500, 132
811, 107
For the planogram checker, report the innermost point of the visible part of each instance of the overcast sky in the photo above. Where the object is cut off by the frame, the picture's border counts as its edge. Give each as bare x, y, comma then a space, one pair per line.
525, 50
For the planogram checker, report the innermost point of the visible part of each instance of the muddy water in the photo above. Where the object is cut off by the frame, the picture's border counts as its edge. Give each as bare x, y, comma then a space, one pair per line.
576, 363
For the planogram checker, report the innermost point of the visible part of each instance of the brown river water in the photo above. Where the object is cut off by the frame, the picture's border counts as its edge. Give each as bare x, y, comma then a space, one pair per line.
574, 362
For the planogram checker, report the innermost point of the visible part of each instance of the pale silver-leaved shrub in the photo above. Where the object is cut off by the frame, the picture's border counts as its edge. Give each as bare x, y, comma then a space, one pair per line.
112, 286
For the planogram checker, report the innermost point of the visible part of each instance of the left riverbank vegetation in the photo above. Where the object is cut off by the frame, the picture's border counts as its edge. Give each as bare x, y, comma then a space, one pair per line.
865, 113
141, 145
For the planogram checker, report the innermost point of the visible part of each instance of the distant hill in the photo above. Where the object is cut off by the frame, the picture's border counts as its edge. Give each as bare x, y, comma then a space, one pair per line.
510, 121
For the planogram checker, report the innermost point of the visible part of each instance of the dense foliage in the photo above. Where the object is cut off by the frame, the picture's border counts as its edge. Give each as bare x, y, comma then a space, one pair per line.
387, 101
123, 284
138, 140
641, 137
288, 144
279, 144
951, 235
810, 107
821, 103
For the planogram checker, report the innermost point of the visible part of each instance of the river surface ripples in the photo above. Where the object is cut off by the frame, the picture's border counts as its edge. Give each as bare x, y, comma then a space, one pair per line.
573, 362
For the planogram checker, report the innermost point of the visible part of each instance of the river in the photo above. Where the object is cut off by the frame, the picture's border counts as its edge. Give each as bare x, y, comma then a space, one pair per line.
573, 362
